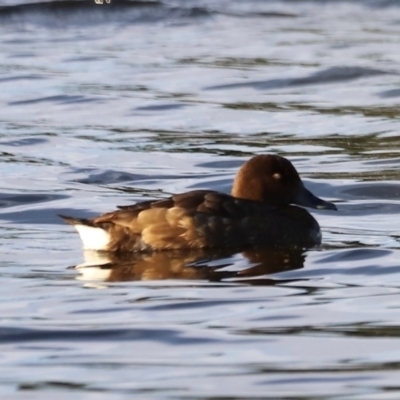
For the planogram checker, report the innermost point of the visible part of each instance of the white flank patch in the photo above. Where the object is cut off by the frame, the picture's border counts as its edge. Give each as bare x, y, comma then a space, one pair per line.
93, 238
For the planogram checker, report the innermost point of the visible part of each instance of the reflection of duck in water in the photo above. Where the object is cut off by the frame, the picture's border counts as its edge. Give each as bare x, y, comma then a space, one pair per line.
258, 212
201, 264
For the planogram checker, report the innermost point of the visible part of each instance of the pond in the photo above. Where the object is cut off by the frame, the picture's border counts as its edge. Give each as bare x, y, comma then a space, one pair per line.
106, 104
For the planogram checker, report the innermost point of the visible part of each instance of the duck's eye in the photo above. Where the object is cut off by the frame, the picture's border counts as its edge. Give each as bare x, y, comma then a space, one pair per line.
277, 176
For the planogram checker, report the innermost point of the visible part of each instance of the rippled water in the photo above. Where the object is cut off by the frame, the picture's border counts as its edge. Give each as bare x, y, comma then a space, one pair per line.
104, 105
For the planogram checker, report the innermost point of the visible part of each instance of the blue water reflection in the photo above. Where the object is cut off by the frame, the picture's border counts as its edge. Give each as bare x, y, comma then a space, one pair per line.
105, 105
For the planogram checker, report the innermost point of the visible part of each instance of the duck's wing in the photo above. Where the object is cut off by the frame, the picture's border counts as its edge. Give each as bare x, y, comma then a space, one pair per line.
210, 203
195, 219
189, 201
180, 221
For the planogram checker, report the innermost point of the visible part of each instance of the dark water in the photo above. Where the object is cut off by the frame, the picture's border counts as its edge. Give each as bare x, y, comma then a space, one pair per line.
104, 105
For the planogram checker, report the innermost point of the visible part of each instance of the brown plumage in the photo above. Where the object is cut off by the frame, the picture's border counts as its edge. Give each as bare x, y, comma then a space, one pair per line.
257, 213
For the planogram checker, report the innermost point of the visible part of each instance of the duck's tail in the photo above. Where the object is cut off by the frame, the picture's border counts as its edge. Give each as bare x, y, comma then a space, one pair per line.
93, 236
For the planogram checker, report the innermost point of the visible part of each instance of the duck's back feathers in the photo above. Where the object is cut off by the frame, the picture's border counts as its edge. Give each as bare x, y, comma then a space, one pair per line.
196, 219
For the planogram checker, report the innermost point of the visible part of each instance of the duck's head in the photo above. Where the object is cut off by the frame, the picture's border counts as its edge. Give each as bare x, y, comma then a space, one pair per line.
274, 180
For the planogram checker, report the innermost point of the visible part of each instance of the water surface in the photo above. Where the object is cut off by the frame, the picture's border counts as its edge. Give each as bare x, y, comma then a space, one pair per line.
105, 105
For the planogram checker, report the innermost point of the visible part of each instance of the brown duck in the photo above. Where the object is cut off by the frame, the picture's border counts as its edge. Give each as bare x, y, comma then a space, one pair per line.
259, 211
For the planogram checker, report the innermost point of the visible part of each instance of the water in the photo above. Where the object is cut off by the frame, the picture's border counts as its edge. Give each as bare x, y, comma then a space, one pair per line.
105, 105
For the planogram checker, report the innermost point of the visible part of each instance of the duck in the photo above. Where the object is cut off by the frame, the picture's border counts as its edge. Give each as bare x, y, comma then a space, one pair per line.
265, 208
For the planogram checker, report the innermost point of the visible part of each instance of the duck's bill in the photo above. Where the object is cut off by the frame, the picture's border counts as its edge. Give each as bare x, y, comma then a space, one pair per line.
306, 199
